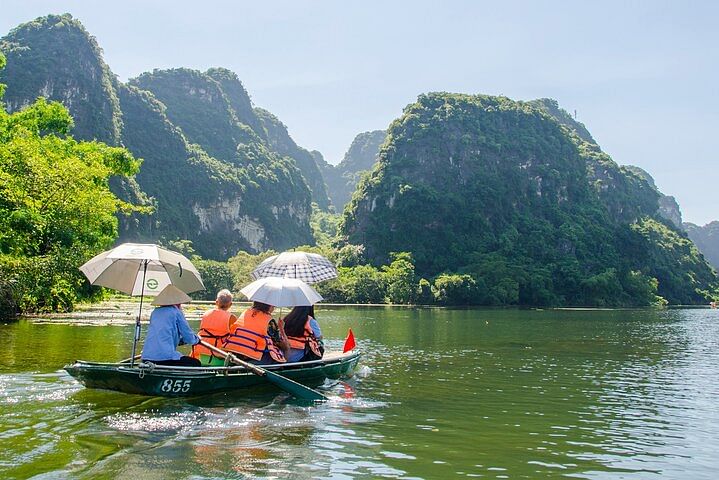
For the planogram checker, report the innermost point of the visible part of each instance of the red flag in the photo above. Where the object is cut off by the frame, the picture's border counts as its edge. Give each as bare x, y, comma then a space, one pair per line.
349, 342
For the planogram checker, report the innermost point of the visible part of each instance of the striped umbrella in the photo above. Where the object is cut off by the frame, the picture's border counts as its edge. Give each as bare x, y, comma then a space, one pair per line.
308, 267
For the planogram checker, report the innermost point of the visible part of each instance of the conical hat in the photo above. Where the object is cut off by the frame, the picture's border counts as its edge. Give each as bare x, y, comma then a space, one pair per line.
171, 295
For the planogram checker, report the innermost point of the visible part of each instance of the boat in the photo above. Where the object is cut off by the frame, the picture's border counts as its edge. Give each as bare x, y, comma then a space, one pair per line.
147, 378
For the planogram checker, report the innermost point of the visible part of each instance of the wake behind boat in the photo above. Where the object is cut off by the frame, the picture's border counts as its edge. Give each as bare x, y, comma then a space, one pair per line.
146, 378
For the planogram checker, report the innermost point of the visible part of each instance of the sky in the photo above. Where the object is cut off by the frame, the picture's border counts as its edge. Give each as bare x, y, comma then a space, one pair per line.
643, 76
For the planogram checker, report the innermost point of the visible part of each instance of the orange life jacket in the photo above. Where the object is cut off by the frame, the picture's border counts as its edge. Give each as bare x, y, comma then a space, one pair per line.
250, 337
214, 329
307, 339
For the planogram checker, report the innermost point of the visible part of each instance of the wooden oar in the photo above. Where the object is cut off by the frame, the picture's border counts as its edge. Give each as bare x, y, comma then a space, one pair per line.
289, 386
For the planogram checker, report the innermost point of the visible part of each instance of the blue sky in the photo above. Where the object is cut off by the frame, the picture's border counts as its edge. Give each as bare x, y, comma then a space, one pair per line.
642, 76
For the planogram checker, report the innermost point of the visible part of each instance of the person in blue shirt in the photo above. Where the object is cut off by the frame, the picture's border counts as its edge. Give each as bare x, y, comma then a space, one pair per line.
303, 334
168, 327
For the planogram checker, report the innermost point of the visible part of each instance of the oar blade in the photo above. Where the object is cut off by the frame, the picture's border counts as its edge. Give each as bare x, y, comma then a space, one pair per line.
294, 388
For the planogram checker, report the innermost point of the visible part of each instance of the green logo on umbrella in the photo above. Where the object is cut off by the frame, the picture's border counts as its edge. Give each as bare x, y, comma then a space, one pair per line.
152, 284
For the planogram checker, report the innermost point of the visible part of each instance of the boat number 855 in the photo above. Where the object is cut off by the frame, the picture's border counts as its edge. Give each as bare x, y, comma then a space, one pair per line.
175, 386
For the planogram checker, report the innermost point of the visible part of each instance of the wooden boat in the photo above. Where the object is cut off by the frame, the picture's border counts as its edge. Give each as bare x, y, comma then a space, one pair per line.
146, 378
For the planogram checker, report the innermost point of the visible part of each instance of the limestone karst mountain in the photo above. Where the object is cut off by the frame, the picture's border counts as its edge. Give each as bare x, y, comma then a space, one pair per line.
218, 172
342, 179
504, 191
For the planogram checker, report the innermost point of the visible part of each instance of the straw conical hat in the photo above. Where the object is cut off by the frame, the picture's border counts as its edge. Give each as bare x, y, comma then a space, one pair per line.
171, 295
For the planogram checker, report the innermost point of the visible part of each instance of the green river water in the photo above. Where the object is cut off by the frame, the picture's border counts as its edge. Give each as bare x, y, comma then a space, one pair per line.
439, 394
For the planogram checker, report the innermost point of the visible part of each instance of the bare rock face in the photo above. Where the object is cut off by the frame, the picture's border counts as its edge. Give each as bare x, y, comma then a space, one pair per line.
670, 211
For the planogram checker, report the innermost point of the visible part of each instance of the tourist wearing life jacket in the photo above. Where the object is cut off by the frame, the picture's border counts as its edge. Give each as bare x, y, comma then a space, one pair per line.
169, 327
216, 324
251, 336
303, 334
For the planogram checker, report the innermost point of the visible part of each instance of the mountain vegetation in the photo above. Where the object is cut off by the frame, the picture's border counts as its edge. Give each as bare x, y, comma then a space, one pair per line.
464, 200
342, 179
505, 193
706, 239
215, 171
56, 207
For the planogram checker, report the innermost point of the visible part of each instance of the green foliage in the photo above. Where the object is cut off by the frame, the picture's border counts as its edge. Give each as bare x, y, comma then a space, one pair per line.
674, 261
425, 294
56, 207
351, 255
279, 140
706, 239
215, 275
456, 290
242, 264
342, 179
361, 284
519, 197
324, 226
265, 196
39, 64
185, 182
402, 286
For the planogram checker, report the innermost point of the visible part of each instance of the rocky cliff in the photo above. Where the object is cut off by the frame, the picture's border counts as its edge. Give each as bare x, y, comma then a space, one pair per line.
242, 195
668, 206
214, 111
342, 179
503, 191
707, 240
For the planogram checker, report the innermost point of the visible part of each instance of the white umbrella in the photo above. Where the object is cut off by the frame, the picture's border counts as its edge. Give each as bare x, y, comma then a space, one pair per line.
123, 268
281, 292
308, 267
142, 269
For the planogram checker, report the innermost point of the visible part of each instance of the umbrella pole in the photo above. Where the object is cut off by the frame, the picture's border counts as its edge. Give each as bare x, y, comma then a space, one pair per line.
137, 323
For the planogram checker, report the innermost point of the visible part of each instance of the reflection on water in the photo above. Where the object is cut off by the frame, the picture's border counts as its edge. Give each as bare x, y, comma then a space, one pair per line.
439, 394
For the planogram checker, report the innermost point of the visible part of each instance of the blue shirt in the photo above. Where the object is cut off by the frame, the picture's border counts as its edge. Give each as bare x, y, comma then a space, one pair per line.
167, 326
296, 354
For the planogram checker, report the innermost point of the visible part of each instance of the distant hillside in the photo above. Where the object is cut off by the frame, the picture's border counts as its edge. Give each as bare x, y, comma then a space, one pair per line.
668, 206
280, 141
503, 191
240, 195
552, 108
40, 63
707, 240
361, 156
214, 111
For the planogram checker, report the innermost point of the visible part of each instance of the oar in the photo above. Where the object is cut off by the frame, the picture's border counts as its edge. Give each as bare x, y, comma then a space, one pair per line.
289, 386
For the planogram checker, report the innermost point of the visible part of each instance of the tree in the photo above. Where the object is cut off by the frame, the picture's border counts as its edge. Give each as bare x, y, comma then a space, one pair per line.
456, 290
56, 208
215, 275
401, 280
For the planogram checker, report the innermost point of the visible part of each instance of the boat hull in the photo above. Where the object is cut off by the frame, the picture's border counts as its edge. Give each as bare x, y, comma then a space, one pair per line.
157, 380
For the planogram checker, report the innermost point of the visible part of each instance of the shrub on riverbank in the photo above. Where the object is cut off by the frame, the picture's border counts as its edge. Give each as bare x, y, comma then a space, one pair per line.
56, 208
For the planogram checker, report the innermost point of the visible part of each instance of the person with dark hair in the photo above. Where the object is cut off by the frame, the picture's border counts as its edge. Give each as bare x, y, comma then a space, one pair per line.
303, 334
252, 336
168, 328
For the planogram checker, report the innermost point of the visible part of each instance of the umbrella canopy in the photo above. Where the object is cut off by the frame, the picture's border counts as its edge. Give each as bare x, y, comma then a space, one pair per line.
281, 292
122, 269
308, 267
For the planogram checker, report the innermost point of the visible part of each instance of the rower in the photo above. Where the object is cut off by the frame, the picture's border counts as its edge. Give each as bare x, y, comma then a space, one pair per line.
168, 326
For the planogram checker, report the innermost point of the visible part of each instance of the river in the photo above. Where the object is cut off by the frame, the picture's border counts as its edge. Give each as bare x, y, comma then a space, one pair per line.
440, 393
